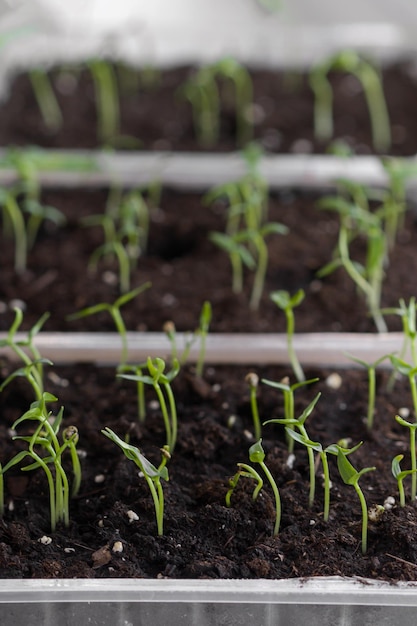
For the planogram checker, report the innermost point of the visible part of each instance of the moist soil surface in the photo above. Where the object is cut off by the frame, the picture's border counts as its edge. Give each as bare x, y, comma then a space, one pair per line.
154, 116
185, 268
202, 537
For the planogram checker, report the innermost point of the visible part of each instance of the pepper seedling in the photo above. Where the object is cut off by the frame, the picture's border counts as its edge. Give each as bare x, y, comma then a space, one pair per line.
287, 303
114, 311
246, 471
150, 473
351, 476
45, 437
161, 382
351, 62
253, 381
299, 424
45, 98
412, 427
288, 391
399, 476
371, 369
257, 455
22, 346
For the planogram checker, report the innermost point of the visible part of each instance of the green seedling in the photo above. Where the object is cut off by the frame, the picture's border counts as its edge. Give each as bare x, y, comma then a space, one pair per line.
288, 391
30, 372
413, 464
399, 476
150, 473
25, 348
367, 277
202, 332
351, 62
46, 99
25, 163
190, 338
14, 225
407, 313
410, 371
234, 72
299, 424
371, 369
239, 255
202, 92
317, 447
247, 472
247, 197
287, 303
107, 100
161, 382
256, 238
125, 226
114, 311
394, 207
253, 381
257, 455
351, 476
44, 441
137, 370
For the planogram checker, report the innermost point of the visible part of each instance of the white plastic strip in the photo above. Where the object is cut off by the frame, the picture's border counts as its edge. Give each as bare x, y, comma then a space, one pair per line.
198, 171
314, 349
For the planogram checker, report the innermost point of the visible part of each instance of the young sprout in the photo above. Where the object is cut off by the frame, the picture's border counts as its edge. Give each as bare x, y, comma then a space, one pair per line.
299, 424
368, 277
190, 338
46, 99
349, 61
161, 382
107, 99
136, 370
125, 226
247, 472
317, 447
412, 429
408, 370
239, 255
202, 91
45, 437
393, 208
114, 311
257, 455
14, 224
202, 332
228, 68
399, 476
351, 476
21, 347
26, 164
371, 369
288, 391
150, 473
287, 303
253, 380
408, 319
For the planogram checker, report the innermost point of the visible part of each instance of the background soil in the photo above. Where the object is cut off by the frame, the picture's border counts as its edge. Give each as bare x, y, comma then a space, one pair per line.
154, 116
186, 269
202, 537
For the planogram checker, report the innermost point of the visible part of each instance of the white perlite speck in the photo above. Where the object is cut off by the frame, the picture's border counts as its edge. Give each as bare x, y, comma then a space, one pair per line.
117, 546
389, 502
334, 381
100, 478
132, 516
45, 540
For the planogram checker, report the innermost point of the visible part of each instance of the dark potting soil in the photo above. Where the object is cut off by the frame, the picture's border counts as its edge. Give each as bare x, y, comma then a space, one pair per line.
155, 117
202, 537
185, 268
